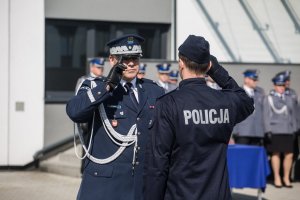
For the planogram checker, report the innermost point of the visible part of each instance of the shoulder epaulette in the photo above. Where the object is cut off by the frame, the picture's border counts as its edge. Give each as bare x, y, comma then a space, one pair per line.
91, 78
272, 92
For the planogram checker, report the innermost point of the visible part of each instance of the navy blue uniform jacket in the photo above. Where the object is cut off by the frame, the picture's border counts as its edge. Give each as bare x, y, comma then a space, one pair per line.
187, 150
115, 180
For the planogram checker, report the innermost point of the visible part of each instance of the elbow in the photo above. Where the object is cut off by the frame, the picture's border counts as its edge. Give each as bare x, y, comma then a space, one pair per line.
74, 114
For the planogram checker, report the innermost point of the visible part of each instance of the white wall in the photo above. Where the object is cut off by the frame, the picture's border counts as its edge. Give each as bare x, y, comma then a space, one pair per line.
4, 72
22, 80
154, 11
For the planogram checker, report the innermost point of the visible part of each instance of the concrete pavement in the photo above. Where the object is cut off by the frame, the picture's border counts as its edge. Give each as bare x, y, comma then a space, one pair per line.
36, 185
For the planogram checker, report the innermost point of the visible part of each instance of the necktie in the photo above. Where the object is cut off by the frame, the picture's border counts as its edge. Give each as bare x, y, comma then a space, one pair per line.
129, 89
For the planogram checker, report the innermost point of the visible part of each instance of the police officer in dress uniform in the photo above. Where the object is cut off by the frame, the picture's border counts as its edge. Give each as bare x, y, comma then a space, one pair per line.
173, 77
292, 93
142, 70
186, 154
280, 124
163, 77
96, 68
251, 130
120, 110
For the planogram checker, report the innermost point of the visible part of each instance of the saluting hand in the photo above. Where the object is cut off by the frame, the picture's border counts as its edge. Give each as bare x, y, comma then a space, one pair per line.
214, 61
115, 75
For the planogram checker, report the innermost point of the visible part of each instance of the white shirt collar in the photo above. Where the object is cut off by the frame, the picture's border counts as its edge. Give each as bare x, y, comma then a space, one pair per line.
163, 84
133, 82
134, 88
249, 91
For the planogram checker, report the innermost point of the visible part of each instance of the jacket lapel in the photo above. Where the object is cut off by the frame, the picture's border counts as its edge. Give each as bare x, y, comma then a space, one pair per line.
142, 96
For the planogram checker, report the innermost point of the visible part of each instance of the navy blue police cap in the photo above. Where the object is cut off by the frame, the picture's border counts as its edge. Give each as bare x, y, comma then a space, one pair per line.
129, 44
286, 73
251, 73
98, 62
142, 68
195, 48
163, 68
279, 79
173, 75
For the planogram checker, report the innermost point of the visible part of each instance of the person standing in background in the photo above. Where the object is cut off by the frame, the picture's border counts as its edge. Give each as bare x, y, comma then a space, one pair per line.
211, 83
280, 126
96, 70
173, 77
163, 77
251, 130
142, 70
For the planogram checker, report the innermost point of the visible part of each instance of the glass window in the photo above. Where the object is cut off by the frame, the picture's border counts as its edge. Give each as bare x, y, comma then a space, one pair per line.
69, 43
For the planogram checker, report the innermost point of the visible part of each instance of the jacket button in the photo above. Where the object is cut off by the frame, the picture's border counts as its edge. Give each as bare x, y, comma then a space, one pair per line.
137, 163
99, 93
139, 133
96, 173
138, 119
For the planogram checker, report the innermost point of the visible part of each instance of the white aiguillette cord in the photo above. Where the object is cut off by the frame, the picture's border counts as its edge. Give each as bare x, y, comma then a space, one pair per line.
125, 140
282, 110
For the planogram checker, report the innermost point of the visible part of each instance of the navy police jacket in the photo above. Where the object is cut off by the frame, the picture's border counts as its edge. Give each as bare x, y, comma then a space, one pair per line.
187, 150
117, 179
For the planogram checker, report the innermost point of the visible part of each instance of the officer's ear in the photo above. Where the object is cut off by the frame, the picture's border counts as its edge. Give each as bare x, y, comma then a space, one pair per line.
181, 64
209, 66
112, 60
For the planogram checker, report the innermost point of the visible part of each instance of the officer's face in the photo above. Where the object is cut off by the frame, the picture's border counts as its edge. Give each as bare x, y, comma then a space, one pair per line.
164, 77
250, 82
279, 88
97, 71
141, 75
132, 64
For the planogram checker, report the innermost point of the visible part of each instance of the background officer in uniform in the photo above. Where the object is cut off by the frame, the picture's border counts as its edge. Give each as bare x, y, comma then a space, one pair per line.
163, 77
186, 155
96, 69
292, 93
251, 130
211, 83
142, 70
280, 124
120, 110
173, 77
288, 90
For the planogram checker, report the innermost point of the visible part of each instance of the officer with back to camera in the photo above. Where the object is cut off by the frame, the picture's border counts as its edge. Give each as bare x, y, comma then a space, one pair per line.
120, 110
186, 154
251, 130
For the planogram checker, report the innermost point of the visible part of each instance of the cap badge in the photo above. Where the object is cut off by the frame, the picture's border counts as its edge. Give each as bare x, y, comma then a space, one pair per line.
130, 40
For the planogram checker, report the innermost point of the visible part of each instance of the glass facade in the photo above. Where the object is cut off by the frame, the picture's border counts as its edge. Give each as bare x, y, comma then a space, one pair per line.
69, 43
